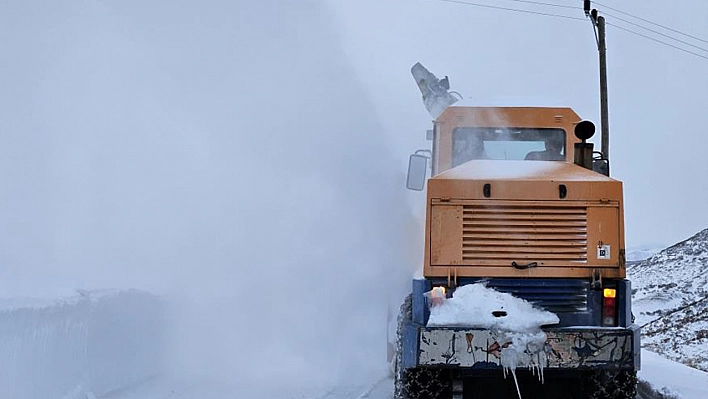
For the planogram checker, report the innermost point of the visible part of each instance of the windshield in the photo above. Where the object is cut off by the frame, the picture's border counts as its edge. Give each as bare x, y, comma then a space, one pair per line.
508, 143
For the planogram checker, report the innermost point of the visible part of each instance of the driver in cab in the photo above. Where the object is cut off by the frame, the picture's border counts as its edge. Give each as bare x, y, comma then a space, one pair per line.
554, 146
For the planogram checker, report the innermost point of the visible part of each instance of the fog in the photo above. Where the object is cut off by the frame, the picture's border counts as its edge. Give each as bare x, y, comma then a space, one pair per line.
244, 160
223, 155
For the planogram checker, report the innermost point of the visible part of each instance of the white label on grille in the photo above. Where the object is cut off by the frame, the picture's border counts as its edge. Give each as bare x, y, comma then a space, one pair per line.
603, 252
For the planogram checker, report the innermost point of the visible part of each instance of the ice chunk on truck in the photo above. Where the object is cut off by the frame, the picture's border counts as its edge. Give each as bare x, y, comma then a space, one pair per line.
518, 200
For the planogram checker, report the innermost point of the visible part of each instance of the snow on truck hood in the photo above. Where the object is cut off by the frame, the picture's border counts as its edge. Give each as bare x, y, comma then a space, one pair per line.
521, 170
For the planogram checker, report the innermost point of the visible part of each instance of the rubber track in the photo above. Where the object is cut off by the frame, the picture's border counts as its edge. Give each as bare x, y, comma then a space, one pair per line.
418, 383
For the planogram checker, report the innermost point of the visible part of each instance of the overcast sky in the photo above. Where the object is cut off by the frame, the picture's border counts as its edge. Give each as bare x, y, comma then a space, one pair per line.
657, 95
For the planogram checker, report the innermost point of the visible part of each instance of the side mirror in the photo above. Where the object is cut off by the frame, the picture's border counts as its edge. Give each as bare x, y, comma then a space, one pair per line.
601, 166
417, 172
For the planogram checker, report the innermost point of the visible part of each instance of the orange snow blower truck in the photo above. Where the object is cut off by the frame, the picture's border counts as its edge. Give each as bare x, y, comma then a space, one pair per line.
518, 200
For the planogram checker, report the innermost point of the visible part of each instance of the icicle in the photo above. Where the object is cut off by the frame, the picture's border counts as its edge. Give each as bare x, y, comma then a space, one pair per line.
542, 358
518, 391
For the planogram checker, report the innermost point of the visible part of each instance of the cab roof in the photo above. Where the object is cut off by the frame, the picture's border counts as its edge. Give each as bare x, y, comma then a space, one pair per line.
509, 116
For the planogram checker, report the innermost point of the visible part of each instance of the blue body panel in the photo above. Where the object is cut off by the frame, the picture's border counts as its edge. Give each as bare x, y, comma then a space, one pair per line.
421, 312
578, 306
624, 303
411, 335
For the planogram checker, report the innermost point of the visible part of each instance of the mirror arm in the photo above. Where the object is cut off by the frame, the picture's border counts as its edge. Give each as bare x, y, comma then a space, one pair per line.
427, 153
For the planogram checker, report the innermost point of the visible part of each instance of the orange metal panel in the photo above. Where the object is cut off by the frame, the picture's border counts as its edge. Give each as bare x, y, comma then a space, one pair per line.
446, 235
546, 272
483, 237
603, 232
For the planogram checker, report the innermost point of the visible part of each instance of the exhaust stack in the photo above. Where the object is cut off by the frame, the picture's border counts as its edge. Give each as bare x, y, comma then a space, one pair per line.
584, 151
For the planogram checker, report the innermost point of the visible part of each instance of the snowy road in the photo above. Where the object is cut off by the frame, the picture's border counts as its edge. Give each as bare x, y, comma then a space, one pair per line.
70, 338
166, 389
660, 379
670, 379
381, 390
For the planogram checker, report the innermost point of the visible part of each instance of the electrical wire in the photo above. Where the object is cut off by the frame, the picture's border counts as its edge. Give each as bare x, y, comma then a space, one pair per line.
467, 3
653, 23
594, 29
655, 31
538, 3
657, 40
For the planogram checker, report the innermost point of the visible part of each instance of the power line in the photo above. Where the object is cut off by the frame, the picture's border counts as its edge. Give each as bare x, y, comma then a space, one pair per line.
467, 3
538, 3
655, 31
657, 40
653, 23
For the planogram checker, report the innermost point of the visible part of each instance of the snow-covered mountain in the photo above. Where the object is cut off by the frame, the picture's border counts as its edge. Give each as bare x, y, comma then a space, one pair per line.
670, 292
638, 254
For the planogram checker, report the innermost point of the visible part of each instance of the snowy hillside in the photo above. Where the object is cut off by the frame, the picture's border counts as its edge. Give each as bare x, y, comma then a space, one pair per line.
671, 301
638, 254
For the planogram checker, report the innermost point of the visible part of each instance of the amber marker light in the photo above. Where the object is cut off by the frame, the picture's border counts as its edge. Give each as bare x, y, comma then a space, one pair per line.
436, 296
609, 293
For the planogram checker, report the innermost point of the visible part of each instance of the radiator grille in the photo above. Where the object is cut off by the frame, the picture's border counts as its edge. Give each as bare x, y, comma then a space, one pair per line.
559, 296
523, 233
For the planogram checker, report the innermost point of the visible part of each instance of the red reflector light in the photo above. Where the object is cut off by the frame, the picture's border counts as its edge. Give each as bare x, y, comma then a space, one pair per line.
609, 312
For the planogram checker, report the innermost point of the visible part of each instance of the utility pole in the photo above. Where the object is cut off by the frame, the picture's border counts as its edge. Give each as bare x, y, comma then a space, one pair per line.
598, 23
604, 107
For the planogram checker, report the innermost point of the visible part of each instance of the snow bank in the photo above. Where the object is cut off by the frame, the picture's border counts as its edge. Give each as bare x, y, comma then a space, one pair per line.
93, 343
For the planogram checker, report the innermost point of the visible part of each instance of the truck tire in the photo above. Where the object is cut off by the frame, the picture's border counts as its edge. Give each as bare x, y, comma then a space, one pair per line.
611, 384
417, 383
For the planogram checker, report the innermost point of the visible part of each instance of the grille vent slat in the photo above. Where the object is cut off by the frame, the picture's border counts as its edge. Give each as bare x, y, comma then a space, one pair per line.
559, 297
505, 233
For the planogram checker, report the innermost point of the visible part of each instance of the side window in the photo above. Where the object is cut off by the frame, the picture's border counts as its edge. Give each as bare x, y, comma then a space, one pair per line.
467, 148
